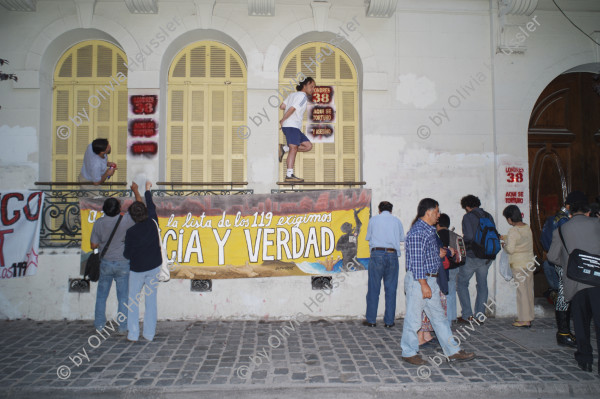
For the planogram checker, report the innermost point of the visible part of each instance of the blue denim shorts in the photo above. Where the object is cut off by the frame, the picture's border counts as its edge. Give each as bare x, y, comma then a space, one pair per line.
294, 135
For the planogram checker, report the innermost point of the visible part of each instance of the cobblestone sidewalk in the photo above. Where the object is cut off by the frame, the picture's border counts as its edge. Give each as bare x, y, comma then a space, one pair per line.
70, 357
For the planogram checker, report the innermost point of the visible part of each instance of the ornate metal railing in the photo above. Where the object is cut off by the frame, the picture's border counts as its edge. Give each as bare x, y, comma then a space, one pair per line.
212, 189
61, 223
314, 186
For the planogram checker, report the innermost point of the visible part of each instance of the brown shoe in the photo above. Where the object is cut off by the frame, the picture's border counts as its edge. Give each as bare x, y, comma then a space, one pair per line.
468, 320
461, 356
417, 360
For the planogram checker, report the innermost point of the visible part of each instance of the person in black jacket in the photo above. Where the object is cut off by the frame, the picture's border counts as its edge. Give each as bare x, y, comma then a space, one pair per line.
142, 248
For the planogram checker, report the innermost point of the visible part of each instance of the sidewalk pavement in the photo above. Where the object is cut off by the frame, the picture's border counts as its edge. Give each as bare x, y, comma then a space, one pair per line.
190, 359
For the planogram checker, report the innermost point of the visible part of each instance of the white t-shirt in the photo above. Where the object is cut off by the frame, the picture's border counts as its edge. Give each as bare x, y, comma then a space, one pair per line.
93, 166
298, 100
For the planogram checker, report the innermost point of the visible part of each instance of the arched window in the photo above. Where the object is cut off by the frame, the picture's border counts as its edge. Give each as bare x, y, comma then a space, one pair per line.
89, 102
329, 66
206, 107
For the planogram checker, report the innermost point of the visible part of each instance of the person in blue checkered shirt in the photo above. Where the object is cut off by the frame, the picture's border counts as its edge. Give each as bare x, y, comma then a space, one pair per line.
423, 258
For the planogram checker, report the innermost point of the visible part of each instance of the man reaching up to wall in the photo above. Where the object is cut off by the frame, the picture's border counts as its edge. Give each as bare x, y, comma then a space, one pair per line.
96, 169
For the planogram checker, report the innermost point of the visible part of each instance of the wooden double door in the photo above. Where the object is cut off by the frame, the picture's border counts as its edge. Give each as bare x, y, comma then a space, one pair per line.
564, 148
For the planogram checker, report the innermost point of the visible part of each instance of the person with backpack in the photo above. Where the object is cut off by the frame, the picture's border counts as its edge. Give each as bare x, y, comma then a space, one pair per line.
483, 243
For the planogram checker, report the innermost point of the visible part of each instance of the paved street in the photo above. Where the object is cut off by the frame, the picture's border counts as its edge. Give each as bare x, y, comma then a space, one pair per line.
277, 359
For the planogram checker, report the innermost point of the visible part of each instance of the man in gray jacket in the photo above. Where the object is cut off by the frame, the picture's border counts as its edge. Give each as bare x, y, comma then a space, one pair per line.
580, 232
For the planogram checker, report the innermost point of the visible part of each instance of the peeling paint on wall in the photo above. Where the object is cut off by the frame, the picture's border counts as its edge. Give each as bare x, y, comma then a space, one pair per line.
418, 91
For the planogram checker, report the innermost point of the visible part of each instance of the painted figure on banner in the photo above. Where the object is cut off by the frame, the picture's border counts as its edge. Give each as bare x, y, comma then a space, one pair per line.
347, 243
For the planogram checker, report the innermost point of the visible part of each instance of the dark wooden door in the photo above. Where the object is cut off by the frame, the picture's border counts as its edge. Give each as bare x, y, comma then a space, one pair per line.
564, 148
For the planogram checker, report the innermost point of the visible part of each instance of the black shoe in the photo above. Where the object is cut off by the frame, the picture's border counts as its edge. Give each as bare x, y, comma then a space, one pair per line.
566, 340
367, 324
585, 366
293, 179
389, 325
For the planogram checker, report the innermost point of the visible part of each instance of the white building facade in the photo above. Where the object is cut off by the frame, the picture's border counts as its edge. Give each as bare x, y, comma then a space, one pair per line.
435, 99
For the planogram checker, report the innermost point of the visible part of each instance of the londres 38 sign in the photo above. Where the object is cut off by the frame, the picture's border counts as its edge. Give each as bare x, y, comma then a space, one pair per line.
243, 236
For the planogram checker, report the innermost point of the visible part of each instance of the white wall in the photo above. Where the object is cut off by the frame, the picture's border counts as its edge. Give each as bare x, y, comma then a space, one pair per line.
431, 64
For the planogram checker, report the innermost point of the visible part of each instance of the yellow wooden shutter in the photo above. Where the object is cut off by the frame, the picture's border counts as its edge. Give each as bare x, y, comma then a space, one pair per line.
338, 161
63, 108
89, 102
207, 106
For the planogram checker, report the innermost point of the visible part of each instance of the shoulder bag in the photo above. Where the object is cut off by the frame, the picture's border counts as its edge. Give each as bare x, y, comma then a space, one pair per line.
582, 266
92, 266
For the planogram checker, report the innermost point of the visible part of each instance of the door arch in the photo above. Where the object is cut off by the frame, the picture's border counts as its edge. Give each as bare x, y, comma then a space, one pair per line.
563, 146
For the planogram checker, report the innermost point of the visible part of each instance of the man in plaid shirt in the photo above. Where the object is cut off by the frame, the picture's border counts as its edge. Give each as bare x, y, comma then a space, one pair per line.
423, 259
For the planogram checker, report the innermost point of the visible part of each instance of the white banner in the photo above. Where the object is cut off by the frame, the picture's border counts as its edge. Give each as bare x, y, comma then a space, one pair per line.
20, 223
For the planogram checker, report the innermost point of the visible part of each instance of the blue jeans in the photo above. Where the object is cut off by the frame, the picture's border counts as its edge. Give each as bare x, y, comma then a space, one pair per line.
415, 305
142, 285
480, 268
384, 265
451, 297
109, 270
551, 275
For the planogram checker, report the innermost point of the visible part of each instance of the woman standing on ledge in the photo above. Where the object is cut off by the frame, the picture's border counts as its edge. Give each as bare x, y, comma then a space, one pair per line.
519, 245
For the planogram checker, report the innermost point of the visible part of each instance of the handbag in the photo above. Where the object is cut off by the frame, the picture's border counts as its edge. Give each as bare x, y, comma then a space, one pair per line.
458, 243
582, 266
164, 274
92, 265
504, 266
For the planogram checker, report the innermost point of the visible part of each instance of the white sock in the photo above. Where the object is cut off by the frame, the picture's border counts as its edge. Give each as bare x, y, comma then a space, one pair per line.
290, 172
286, 148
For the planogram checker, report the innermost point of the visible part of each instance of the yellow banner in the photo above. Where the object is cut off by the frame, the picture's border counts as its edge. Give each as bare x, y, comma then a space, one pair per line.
309, 233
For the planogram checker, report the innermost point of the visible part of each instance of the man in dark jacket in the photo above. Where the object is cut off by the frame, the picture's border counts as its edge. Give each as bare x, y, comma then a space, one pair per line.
581, 232
142, 248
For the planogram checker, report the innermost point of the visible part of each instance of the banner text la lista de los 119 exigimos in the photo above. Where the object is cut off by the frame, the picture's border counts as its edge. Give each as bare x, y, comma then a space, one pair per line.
263, 235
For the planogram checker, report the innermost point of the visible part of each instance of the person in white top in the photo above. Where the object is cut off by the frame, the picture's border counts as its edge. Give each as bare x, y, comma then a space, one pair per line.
294, 107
